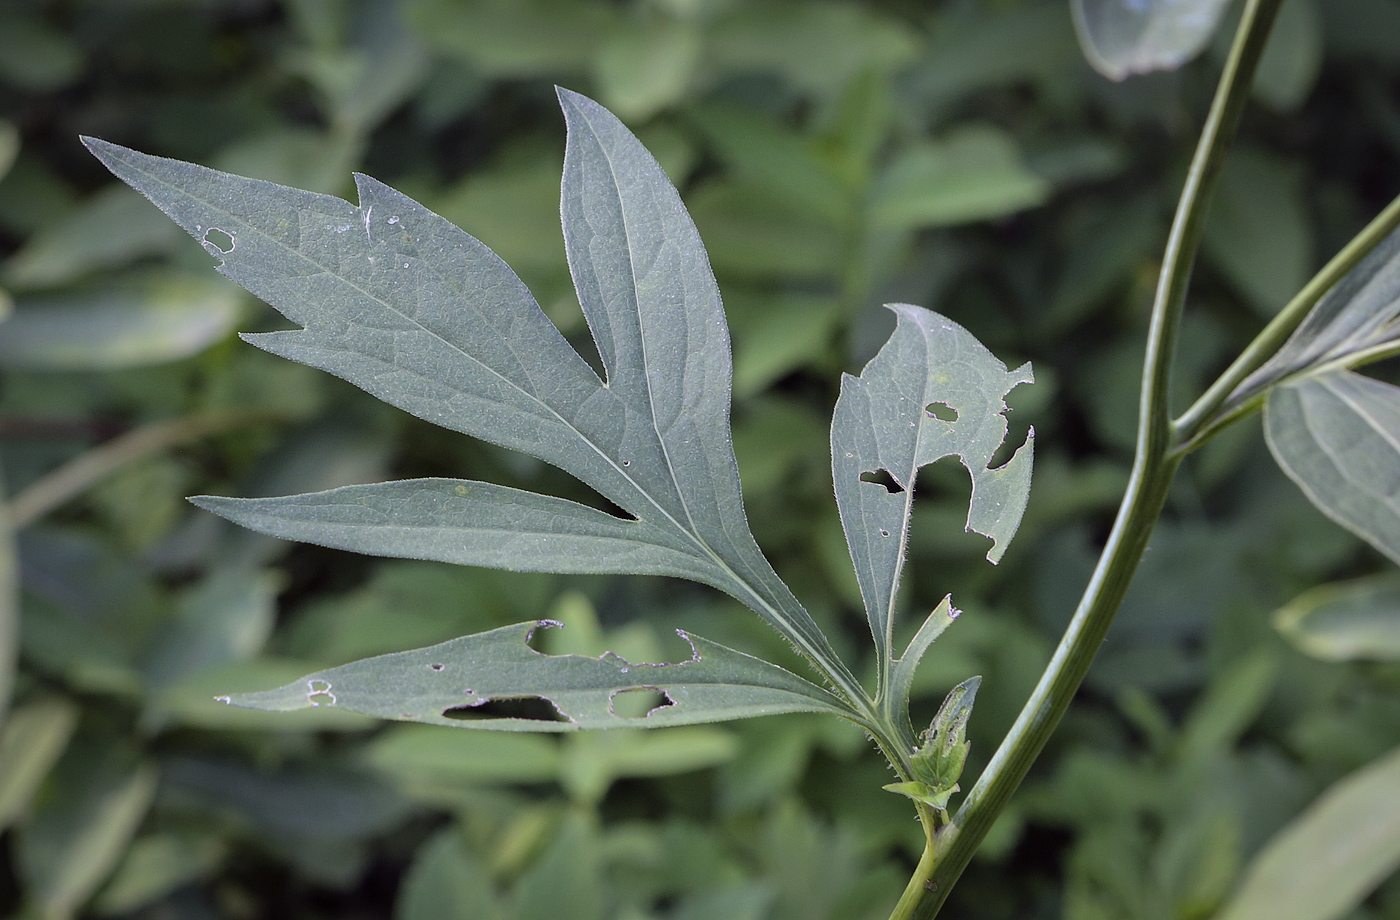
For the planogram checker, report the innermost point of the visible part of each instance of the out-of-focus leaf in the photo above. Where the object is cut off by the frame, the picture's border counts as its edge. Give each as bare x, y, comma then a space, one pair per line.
1361, 29
1101, 259
303, 804
1124, 37
446, 882
159, 318
647, 68
112, 228
302, 157
1228, 707
513, 208
517, 38
9, 146
1293, 58
70, 847
442, 684
318, 819
816, 45
748, 902
751, 235
33, 54
379, 66
933, 391
89, 611
35, 735
475, 757
1323, 864
975, 48
473, 352
784, 164
9, 608
1337, 436
155, 865
1346, 621
594, 762
779, 335
226, 618
972, 174
1259, 232
567, 879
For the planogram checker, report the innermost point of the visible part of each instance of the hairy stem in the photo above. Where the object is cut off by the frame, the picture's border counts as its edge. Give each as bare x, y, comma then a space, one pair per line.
951, 847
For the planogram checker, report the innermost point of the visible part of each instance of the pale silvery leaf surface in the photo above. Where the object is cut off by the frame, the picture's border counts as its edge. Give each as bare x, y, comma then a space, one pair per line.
887, 419
1325, 863
1356, 315
1124, 37
400, 302
469, 523
717, 683
1337, 436
1355, 620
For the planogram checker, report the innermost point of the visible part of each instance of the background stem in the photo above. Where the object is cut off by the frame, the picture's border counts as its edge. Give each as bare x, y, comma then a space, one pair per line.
86, 470
1154, 465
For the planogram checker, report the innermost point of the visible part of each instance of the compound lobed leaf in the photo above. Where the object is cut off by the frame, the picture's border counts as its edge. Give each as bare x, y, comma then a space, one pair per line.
1346, 621
889, 420
469, 523
403, 304
433, 684
1125, 37
1337, 435
1325, 863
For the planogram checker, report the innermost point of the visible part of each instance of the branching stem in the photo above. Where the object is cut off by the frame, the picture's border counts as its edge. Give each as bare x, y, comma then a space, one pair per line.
1223, 402
951, 847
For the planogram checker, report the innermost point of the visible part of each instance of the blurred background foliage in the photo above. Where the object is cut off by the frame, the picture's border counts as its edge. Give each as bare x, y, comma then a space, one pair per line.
836, 155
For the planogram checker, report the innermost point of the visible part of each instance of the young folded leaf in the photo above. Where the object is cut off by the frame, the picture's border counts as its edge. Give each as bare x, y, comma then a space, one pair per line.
445, 684
405, 305
1337, 436
932, 391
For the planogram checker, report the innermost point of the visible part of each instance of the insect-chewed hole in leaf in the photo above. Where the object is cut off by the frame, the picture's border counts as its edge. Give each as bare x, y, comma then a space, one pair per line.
639, 702
221, 240
942, 411
884, 478
535, 640
530, 708
1015, 438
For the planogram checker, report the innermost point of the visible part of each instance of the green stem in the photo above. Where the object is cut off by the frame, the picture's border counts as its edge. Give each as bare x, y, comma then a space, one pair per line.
951, 847
1205, 415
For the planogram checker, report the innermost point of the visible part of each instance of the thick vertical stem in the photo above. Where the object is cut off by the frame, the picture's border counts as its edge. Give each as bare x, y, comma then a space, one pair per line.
951, 847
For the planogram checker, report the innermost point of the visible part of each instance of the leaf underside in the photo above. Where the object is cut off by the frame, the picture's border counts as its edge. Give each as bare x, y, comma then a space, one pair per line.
932, 391
444, 684
1337, 435
403, 304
